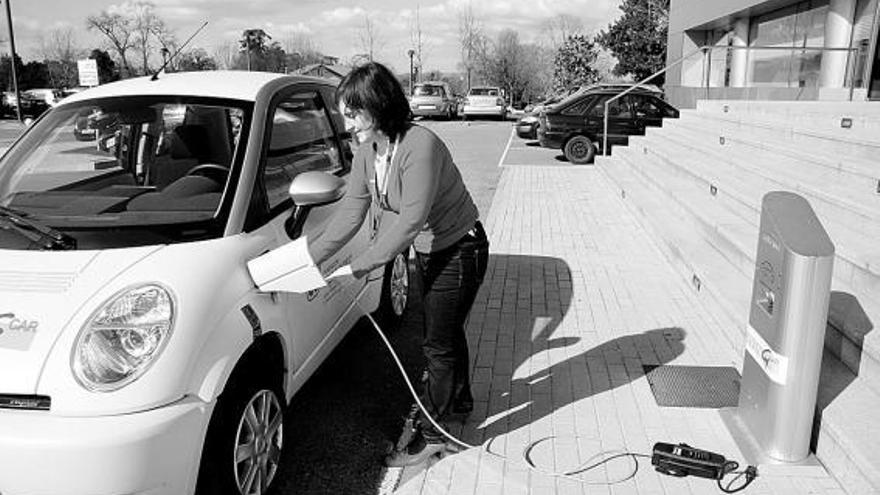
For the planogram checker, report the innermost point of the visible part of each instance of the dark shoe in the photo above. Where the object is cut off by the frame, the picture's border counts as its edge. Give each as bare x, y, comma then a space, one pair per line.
417, 452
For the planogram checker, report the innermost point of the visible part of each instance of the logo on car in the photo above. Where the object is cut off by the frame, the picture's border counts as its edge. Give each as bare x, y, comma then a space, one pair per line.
9, 323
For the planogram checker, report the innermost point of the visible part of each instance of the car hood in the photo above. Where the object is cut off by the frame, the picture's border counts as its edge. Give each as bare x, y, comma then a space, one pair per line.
40, 292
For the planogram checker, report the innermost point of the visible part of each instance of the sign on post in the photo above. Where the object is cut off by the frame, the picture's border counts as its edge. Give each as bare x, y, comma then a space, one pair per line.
88, 72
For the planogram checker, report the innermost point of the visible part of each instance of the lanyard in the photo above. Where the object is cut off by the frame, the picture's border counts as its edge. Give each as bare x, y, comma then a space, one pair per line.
382, 197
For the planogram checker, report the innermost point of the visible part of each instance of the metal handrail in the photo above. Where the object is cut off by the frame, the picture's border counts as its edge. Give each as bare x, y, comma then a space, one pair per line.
709, 48
643, 81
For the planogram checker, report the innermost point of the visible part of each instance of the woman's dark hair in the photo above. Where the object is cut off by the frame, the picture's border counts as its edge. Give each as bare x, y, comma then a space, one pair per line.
372, 87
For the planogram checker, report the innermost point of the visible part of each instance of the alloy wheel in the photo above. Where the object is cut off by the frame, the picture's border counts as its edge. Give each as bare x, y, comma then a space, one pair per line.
399, 287
258, 443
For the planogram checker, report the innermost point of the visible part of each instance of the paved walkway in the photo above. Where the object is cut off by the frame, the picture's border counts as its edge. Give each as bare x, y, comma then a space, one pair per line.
577, 299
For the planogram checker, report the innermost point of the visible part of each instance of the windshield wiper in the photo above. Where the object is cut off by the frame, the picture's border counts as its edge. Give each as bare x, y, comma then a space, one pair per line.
46, 237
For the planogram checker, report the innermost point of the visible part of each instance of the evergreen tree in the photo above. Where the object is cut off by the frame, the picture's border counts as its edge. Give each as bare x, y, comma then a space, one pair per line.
573, 65
638, 38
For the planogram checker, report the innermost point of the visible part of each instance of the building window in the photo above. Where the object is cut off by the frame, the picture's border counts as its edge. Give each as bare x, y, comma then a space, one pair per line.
775, 38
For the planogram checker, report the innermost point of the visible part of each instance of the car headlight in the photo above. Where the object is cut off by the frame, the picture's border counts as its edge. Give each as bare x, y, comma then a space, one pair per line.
123, 337
529, 119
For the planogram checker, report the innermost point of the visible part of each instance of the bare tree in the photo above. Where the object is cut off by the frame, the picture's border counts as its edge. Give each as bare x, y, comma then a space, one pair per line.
149, 32
419, 44
226, 54
472, 41
301, 51
60, 51
118, 29
370, 38
558, 28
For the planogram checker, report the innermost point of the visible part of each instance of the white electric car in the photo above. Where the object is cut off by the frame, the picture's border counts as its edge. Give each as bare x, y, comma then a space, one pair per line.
136, 354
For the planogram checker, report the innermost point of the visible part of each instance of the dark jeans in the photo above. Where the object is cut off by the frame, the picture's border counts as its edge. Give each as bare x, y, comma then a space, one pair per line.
450, 280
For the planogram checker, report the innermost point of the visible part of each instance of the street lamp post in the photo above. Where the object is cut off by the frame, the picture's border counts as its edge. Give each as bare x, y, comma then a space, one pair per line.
411, 52
12, 49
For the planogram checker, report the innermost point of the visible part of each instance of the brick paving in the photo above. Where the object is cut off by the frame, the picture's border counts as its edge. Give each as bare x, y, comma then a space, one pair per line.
576, 300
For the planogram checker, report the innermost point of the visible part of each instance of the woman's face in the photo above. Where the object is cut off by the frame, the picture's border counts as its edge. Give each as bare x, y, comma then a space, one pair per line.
359, 122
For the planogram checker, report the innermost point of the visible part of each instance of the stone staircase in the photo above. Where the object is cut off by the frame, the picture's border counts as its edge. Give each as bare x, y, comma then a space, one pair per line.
697, 185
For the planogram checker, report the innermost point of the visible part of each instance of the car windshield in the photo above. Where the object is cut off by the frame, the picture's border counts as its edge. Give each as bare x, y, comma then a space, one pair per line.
154, 167
484, 92
427, 90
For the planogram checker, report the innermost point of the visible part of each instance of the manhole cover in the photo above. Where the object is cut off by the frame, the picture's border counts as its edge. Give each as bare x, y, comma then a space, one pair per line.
694, 386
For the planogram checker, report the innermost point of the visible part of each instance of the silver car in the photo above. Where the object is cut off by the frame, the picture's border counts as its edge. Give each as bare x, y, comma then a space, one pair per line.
485, 101
433, 99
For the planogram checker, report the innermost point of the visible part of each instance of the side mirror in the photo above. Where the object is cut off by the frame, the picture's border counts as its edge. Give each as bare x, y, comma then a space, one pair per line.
315, 188
311, 189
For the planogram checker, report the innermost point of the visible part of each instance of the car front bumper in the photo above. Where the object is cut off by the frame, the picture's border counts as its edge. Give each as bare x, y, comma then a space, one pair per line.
527, 131
154, 452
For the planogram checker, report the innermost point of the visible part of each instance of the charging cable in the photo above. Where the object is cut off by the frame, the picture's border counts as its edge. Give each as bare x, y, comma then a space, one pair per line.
572, 474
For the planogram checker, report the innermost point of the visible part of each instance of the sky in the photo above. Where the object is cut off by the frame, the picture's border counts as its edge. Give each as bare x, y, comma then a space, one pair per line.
336, 27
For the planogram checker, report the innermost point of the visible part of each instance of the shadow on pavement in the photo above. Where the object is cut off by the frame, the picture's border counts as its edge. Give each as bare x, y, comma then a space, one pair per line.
538, 362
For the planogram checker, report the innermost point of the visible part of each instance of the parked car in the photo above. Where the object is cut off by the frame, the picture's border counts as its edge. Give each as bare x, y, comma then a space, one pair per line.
527, 124
136, 353
576, 124
31, 105
433, 99
484, 101
50, 96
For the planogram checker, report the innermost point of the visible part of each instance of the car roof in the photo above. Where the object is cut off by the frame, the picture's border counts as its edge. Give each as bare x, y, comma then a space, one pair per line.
231, 84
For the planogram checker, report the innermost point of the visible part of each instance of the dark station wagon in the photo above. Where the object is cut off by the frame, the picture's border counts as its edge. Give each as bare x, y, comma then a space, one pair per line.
576, 124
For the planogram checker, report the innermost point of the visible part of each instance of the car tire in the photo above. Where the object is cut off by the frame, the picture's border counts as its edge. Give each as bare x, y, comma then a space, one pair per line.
579, 150
254, 392
396, 285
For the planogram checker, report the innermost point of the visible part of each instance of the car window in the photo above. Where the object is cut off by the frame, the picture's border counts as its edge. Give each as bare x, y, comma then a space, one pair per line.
142, 164
301, 140
617, 109
483, 92
428, 90
578, 108
345, 137
646, 106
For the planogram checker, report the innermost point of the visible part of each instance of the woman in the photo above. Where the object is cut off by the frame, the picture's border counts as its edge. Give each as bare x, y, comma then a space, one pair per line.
406, 169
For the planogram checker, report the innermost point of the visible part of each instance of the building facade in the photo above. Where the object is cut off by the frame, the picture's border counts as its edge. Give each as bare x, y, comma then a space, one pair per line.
772, 50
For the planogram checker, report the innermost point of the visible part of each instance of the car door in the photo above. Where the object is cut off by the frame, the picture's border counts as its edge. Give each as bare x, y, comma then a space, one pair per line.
301, 137
620, 118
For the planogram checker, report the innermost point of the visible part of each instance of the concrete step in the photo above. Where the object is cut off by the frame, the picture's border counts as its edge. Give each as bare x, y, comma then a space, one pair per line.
853, 193
853, 231
747, 180
824, 116
670, 165
843, 161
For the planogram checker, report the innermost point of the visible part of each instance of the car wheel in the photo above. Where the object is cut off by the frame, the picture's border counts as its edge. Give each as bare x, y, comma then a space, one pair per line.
579, 150
245, 437
395, 291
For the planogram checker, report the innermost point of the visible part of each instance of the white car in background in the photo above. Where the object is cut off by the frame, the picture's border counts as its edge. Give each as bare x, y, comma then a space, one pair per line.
484, 101
136, 354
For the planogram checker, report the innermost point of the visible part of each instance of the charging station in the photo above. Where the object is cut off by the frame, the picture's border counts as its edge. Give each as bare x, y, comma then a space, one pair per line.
785, 336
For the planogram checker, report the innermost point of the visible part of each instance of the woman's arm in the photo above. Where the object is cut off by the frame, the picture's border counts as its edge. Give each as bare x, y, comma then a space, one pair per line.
420, 178
348, 217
